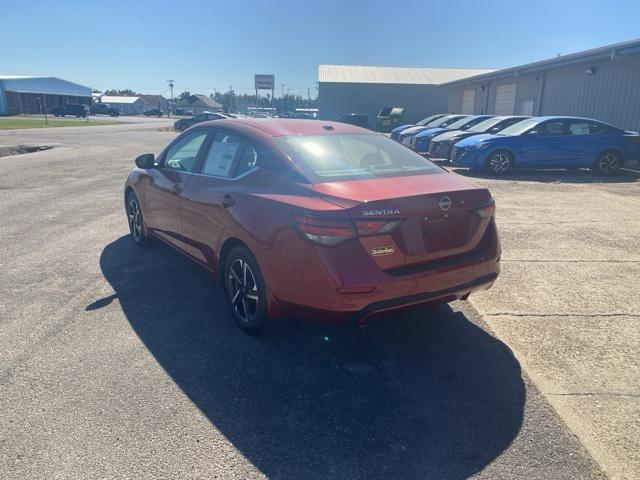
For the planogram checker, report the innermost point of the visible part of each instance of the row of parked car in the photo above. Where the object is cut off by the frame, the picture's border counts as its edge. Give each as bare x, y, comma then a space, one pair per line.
81, 111
500, 144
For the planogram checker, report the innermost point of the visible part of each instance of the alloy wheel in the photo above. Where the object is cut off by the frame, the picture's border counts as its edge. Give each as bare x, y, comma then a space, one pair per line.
243, 291
500, 163
609, 163
135, 220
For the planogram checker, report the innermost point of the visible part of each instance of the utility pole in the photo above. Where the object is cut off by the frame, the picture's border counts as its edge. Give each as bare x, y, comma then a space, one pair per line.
171, 87
282, 85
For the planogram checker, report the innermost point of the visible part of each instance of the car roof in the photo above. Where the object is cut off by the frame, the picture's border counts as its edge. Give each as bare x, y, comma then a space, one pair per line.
583, 119
565, 117
278, 127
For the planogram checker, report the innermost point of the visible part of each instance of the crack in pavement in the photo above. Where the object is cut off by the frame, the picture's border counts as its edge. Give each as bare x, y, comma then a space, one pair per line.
594, 394
588, 315
569, 261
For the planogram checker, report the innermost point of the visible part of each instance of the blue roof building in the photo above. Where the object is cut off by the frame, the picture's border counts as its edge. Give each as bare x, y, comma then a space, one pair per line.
27, 94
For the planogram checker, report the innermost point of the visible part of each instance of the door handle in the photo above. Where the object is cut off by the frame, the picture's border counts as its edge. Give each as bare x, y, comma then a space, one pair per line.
228, 201
176, 189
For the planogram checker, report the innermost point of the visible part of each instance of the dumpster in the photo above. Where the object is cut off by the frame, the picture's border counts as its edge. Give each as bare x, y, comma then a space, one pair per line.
390, 118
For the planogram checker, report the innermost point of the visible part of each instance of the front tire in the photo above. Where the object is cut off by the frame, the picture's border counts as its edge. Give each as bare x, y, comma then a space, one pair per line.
608, 163
136, 221
245, 290
500, 162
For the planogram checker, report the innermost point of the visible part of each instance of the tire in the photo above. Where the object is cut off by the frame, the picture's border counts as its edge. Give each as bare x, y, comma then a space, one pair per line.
500, 162
245, 290
136, 221
608, 163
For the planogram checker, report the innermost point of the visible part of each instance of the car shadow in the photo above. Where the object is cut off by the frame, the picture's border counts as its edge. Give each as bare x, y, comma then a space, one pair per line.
551, 176
427, 395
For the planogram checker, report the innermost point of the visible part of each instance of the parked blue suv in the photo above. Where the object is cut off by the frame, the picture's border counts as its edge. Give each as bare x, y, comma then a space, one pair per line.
550, 142
425, 121
420, 142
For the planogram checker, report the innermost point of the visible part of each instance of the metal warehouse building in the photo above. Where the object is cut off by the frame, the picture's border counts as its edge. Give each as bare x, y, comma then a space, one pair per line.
126, 105
603, 83
22, 94
346, 89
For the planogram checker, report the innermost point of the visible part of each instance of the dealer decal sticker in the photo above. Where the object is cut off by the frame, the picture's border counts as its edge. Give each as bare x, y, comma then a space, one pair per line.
382, 251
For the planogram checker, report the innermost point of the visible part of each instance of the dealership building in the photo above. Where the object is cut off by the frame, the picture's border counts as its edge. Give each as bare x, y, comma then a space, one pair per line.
344, 89
603, 83
25, 94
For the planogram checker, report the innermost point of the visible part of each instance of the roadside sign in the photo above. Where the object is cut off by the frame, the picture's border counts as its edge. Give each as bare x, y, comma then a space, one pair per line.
265, 81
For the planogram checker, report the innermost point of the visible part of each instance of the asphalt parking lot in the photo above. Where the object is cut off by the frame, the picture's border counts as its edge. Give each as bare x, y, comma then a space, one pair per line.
567, 300
117, 362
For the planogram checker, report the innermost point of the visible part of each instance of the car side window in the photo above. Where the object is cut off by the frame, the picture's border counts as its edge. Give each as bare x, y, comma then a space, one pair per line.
183, 154
598, 128
247, 160
221, 155
553, 128
579, 128
200, 117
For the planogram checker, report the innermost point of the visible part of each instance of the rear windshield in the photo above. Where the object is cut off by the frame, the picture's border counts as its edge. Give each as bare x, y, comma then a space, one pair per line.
353, 156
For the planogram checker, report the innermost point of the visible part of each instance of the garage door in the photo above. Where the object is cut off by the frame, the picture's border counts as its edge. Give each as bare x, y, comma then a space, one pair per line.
505, 99
468, 100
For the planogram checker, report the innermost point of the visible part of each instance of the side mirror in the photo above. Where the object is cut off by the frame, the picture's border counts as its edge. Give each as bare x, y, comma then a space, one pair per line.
146, 161
534, 133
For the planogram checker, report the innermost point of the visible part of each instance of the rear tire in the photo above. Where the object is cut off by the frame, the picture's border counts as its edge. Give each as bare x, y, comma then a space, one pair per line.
608, 163
245, 290
500, 162
136, 221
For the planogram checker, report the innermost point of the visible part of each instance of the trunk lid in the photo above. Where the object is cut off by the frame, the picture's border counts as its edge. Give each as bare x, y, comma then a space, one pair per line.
438, 212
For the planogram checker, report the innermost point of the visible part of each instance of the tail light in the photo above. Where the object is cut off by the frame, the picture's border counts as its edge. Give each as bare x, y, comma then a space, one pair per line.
487, 211
327, 232
332, 231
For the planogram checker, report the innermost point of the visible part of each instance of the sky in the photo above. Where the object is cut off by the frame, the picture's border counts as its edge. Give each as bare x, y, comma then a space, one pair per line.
213, 45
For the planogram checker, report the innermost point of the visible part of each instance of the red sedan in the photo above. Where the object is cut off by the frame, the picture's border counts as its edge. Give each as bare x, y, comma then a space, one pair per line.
315, 219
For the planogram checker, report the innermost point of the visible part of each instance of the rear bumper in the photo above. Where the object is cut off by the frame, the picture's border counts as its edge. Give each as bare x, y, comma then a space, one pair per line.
320, 298
361, 316
456, 292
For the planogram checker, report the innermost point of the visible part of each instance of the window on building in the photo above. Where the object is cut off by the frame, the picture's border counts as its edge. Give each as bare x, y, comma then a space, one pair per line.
527, 107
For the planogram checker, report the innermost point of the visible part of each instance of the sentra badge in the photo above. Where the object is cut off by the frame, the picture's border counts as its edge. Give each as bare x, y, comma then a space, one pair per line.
382, 251
381, 212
